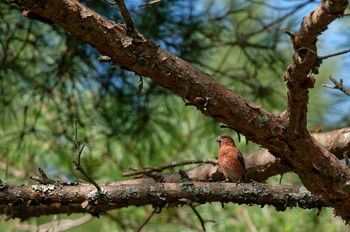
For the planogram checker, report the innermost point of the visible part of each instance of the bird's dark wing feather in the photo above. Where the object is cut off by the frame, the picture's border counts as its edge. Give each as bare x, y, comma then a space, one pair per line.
241, 160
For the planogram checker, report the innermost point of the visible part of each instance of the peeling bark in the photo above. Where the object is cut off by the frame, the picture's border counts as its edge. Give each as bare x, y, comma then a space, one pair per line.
262, 165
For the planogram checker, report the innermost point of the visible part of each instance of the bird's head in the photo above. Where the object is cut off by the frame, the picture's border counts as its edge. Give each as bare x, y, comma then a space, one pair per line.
225, 139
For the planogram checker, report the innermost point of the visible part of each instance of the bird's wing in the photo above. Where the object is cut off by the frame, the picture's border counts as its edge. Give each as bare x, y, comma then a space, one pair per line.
241, 160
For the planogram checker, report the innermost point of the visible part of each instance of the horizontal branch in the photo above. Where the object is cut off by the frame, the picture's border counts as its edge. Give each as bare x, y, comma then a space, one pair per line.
32, 201
260, 164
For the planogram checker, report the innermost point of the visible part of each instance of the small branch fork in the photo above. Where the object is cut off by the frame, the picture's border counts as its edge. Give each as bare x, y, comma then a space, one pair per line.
82, 171
126, 15
43, 179
337, 85
78, 165
201, 220
131, 30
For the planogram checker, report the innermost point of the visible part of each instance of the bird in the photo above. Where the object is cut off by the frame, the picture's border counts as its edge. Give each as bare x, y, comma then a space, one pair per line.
231, 161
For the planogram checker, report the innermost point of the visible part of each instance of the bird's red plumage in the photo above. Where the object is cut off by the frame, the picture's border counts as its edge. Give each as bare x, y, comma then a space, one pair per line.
231, 160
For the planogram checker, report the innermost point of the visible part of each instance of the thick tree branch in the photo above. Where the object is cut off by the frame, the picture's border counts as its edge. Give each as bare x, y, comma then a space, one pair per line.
306, 61
260, 164
285, 136
149, 60
24, 202
306, 156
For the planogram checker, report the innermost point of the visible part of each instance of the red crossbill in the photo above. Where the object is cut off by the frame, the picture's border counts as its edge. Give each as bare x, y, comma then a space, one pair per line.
231, 161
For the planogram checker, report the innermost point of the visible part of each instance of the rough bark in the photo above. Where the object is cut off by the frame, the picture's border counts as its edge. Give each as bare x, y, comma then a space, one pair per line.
260, 164
24, 202
285, 136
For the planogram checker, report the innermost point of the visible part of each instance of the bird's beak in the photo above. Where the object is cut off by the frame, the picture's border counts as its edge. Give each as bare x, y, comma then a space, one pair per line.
218, 139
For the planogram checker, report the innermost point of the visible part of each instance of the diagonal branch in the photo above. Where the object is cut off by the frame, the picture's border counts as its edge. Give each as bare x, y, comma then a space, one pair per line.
148, 218
130, 27
149, 60
337, 85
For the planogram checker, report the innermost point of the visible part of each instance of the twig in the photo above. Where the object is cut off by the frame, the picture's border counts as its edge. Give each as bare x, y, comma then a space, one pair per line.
346, 158
43, 179
82, 171
291, 35
337, 85
279, 20
131, 30
318, 211
147, 171
150, 3
184, 178
77, 162
334, 54
199, 217
75, 140
280, 181
126, 14
155, 210
139, 86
